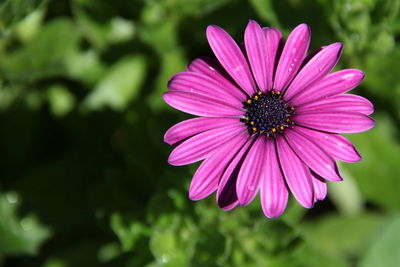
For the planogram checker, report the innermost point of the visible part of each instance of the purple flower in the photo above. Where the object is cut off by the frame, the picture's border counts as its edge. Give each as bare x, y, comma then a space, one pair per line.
270, 118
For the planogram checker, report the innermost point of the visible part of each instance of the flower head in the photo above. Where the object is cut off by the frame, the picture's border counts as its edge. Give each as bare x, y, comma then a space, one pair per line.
269, 118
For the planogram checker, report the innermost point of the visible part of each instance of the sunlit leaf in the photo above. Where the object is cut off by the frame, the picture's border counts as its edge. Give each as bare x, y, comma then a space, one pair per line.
119, 86
12, 11
61, 100
19, 235
45, 55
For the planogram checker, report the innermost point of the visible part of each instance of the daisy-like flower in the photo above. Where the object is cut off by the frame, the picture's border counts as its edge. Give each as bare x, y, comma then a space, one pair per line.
270, 118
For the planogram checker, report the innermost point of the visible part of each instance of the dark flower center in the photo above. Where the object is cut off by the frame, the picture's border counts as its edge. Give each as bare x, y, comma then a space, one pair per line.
267, 113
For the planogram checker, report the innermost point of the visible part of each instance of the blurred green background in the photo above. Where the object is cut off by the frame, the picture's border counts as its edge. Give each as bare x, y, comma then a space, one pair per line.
83, 174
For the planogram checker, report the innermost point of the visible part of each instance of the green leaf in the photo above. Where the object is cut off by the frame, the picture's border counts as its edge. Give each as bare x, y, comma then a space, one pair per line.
30, 25
54, 263
346, 195
163, 243
168, 243
377, 173
265, 9
8, 94
307, 255
19, 235
61, 100
45, 55
12, 11
341, 236
384, 250
109, 252
127, 232
85, 66
120, 84
171, 63
102, 34
381, 82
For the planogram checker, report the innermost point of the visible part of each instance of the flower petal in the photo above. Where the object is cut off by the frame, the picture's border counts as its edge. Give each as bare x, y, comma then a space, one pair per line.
335, 145
334, 83
320, 188
256, 49
188, 128
292, 56
335, 122
205, 180
312, 155
319, 66
211, 68
297, 175
226, 192
248, 181
231, 58
231, 205
204, 144
208, 66
310, 55
201, 105
273, 38
198, 83
273, 190
338, 103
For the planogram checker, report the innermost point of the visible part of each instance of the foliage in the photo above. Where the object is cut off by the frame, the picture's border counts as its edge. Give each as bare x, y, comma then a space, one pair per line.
84, 179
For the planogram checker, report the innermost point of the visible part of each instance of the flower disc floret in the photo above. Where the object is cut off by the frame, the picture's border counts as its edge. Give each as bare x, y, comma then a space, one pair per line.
267, 113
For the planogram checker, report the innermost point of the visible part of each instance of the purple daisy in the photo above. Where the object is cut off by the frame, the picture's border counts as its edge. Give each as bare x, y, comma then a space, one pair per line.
270, 118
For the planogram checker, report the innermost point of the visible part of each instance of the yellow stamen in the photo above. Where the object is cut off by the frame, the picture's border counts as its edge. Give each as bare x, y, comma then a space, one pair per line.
281, 127
249, 101
287, 120
273, 130
259, 93
254, 129
247, 118
291, 108
256, 97
252, 123
278, 92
